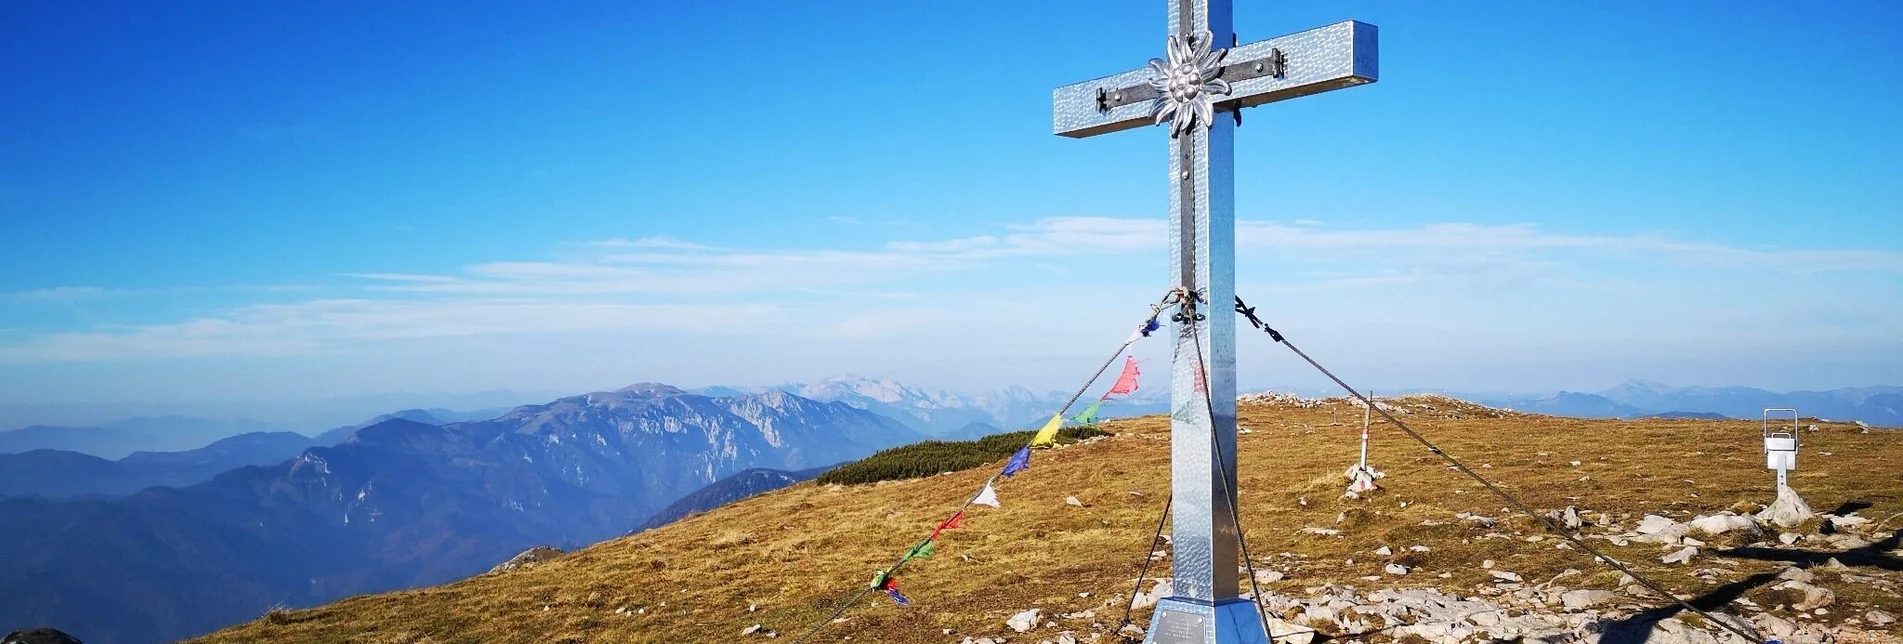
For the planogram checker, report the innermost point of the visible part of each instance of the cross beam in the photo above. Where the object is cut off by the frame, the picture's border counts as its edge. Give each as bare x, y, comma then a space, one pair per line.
1201, 90
1340, 55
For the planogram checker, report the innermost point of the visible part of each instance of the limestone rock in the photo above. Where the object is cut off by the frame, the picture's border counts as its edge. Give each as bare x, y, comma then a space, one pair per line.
1025, 621
1879, 618
1396, 569
1788, 510
1682, 556
1504, 576
530, 557
1071, 500
1284, 632
1268, 576
1585, 598
1723, 523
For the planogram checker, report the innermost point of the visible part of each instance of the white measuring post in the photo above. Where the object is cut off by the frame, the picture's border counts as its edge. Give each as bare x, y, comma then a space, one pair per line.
1780, 447
1367, 415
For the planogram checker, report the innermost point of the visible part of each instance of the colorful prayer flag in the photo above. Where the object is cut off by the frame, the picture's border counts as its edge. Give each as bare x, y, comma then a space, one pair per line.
1150, 327
893, 592
923, 549
881, 579
987, 497
1089, 415
1019, 462
1048, 435
1127, 382
949, 524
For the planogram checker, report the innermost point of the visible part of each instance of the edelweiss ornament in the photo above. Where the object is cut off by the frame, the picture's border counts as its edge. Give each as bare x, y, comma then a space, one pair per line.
1187, 83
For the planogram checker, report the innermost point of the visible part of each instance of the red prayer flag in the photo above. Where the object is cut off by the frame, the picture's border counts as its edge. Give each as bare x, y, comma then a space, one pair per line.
949, 524
1127, 382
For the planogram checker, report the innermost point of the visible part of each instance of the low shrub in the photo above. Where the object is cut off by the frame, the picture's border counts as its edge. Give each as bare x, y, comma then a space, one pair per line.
920, 460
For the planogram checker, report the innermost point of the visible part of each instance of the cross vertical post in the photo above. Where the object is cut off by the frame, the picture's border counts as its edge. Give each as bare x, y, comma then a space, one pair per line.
1200, 90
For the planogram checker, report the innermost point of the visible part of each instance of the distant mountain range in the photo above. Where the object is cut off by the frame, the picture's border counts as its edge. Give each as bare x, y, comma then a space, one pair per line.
733, 488
118, 439
59, 473
949, 415
398, 504
1882, 406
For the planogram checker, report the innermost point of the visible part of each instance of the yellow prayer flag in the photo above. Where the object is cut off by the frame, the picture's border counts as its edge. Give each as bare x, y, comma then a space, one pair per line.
1048, 435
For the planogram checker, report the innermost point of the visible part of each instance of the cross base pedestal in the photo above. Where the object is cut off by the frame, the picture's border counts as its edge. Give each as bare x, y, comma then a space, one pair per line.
1181, 620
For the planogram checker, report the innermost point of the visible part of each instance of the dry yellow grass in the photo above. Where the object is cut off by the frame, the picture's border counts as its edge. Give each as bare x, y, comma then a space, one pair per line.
791, 554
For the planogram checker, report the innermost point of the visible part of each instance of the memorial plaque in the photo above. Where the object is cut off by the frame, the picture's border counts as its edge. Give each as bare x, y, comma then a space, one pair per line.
1172, 627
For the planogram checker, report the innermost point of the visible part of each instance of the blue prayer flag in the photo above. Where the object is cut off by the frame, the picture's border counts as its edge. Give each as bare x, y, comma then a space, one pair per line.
1019, 462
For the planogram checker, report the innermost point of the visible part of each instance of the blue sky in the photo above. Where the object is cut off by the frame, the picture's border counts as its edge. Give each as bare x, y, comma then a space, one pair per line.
247, 200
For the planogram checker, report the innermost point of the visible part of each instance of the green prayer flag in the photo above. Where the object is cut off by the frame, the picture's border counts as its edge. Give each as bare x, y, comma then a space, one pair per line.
878, 580
1089, 415
923, 549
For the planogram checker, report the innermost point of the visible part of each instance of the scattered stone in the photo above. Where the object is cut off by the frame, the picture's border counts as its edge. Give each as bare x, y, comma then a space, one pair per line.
1681, 556
1268, 576
1283, 632
528, 558
1584, 598
1418, 548
1384, 551
1486, 565
1325, 532
1789, 538
1071, 500
1025, 621
1815, 597
1396, 569
1723, 523
1878, 617
750, 630
1570, 518
1504, 576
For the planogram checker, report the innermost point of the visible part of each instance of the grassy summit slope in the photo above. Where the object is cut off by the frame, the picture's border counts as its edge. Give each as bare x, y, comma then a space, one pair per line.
782, 560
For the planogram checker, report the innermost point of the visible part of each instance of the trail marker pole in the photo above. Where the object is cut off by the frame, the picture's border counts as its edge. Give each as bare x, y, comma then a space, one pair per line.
1200, 89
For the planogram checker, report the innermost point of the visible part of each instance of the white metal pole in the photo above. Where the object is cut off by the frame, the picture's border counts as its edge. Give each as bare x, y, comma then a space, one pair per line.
1366, 415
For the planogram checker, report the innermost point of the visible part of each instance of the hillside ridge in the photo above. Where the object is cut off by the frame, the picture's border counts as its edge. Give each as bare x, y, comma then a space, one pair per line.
779, 562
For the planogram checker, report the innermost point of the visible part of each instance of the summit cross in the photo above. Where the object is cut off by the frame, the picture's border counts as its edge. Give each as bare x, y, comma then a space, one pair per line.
1200, 88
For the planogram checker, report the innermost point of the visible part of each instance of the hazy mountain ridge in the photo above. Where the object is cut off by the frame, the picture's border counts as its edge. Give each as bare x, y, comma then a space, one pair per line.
119, 438
60, 473
1880, 405
724, 491
401, 503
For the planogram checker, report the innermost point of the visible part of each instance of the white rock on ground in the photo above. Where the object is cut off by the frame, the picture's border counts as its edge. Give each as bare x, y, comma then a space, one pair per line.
1584, 598
1396, 569
1879, 618
1788, 510
1283, 632
1723, 523
1502, 575
1682, 556
1025, 621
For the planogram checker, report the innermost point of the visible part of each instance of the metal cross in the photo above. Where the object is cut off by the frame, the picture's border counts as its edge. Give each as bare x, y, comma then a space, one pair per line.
1200, 89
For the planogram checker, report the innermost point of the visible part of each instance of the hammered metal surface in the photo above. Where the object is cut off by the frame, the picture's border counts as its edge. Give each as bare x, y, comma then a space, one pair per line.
1340, 55
1202, 259
1202, 226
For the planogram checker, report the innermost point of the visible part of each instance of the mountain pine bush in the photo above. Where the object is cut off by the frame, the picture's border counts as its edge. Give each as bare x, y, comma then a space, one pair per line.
920, 460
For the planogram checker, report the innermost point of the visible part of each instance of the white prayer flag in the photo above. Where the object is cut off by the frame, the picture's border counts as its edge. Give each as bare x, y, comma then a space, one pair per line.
987, 497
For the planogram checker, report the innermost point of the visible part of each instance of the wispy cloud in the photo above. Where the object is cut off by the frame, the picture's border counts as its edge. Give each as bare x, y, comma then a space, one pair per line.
664, 285
57, 294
